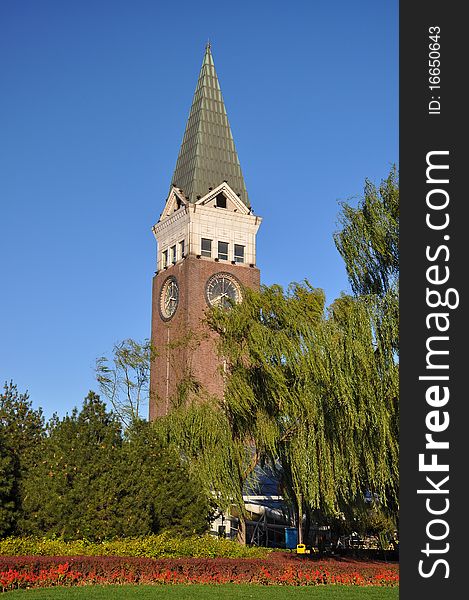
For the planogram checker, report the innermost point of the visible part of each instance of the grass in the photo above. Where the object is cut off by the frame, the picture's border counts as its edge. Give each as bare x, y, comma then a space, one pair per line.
207, 592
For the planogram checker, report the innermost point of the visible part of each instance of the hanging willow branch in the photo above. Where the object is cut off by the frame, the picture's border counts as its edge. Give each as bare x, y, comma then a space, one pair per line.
317, 392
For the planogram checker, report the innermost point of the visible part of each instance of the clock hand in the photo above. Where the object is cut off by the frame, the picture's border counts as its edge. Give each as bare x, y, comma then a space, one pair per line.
218, 298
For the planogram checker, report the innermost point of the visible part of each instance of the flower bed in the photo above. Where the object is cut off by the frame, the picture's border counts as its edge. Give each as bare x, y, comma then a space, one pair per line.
278, 569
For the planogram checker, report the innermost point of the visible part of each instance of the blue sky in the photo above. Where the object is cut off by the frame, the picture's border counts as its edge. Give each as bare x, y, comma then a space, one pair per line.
95, 97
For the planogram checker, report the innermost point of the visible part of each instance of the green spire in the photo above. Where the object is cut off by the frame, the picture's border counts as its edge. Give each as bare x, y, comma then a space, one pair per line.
208, 155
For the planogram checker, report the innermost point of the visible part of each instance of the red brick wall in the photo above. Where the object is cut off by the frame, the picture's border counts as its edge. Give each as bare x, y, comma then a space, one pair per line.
171, 362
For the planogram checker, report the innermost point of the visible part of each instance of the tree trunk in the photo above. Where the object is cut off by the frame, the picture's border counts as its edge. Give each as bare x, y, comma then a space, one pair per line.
241, 537
307, 526
300, 519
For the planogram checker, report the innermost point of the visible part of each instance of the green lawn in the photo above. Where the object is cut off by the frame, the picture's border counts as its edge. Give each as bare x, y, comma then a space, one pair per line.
207, 592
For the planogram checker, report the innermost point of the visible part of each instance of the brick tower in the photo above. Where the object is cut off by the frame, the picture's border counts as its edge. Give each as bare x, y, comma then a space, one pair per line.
206, 248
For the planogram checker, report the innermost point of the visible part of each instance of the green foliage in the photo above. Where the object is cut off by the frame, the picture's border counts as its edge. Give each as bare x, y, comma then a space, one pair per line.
369, 244
311, 391
367, 518
164, 545
23, 426
156, 491
69, 492
21, 434
369, 238
315, 392
7, 488
92, 482
225, 439
219, 455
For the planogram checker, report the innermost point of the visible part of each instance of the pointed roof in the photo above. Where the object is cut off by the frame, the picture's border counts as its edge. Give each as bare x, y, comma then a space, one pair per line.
208, 155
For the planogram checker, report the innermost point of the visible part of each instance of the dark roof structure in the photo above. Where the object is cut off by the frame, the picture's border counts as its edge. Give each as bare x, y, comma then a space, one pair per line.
208, 155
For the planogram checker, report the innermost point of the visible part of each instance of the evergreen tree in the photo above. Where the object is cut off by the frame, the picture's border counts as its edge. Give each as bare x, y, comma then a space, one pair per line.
158, 492
21, 434
7, 488
69, 491
92, 482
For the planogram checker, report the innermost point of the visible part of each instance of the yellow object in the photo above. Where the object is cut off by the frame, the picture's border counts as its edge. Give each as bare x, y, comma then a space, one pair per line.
301, 549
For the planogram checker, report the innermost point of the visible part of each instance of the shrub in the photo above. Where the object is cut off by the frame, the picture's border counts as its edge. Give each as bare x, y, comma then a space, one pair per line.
42, 571
155, 546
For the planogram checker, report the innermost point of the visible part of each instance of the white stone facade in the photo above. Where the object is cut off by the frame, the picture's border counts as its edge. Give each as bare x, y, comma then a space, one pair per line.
182, 226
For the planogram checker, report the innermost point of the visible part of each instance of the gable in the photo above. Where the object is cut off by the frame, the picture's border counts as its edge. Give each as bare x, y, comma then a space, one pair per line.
175, 202
224, 198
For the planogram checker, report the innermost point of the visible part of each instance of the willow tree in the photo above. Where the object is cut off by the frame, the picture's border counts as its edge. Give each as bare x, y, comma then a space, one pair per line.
316, 392
216, 448
368, 238
309, 390
368, 241
124, 380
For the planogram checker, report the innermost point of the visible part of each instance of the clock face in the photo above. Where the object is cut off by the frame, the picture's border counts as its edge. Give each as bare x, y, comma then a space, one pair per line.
169, 298
222, 290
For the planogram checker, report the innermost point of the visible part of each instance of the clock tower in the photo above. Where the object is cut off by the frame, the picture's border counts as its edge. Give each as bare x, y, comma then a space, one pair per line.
206, 248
